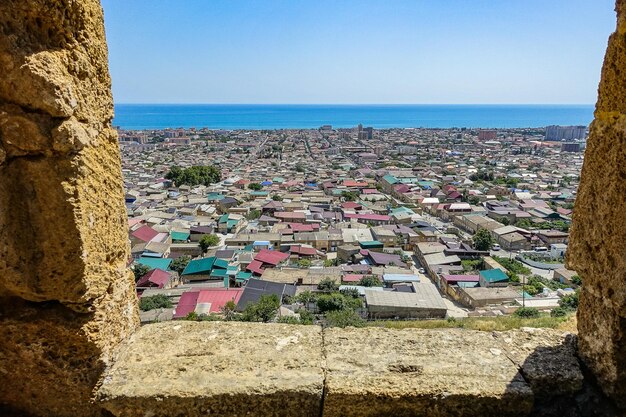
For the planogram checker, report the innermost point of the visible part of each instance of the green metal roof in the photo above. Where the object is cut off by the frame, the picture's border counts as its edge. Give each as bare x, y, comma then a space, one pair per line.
199, 266
243, 275
179, 235
493, 275
223, 218
154, 263
390, 179
215, 196
221, 273
205, 266
220, 263
371, 244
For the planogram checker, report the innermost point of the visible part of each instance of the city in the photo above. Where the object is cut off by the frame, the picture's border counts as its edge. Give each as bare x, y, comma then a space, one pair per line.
346, 225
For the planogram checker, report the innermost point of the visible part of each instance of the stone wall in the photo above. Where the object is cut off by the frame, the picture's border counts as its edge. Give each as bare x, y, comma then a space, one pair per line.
598, 241
66, 296
237, 369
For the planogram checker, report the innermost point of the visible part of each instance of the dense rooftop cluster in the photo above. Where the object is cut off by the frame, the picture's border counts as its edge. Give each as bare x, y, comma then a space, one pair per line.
412, 223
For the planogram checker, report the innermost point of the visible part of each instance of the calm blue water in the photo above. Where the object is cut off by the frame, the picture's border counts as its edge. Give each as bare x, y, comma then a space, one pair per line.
245, 116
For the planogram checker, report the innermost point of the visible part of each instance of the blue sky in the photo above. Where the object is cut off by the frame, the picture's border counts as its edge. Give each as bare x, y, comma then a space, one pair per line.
361, 51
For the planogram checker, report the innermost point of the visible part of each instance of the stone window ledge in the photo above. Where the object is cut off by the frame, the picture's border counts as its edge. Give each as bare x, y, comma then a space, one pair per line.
236, 369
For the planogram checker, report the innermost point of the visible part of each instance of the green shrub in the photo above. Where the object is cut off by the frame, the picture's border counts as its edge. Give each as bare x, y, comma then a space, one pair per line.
370, 281
350, 292
558, 312
264, 310
328, 284
569, 302
527, 312
343, 318
155, 301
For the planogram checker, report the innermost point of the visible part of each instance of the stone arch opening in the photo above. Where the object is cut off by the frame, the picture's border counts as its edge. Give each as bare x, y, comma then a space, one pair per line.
66, 296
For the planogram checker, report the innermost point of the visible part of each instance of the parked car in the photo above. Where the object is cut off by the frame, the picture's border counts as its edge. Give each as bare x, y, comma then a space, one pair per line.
495, 247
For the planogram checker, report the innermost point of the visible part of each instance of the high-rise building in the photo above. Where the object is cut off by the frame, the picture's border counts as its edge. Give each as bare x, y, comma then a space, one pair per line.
559, 133
485, 134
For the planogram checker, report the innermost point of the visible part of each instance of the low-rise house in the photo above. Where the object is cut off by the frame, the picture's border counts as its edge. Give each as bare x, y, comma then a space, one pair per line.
423, 302
205, 269
493, 278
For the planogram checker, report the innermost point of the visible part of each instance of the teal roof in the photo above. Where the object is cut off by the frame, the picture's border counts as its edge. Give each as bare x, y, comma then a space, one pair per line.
371, 244
278, 179
425, 183
220, 263
154, 263
179, 235
223, 218
243, 275
218, 273
215, 196
231, 223
259, 193
390, 179
493, 275
199, 266
402, 209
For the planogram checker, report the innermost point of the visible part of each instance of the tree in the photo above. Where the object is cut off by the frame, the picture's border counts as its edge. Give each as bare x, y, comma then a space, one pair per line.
255, 186
569, 302
277, 197
328, 284
179, 264
332, 302
350, 292
483, 240
254, 214
140, 270
330, 262
306, 297
577, 280
207, 241
304, 263
264, 310
195, 175
343, 318
370, 281
155, 301
350, 195
229, 310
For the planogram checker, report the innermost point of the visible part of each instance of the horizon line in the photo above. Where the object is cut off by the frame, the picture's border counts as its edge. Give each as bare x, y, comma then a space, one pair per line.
352, 104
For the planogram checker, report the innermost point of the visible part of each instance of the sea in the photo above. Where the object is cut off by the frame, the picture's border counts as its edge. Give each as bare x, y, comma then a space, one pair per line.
284, 116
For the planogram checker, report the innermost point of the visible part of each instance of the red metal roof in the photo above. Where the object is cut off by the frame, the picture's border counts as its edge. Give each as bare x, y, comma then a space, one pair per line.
218, 297
145, 233
255, 266
303, 250
272, 257
157, 276
352, 277
186, 304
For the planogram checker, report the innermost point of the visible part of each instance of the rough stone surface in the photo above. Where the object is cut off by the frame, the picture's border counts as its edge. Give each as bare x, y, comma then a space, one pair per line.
546, 358
217, 368
67, 298
388, 372
191, 368
597, 248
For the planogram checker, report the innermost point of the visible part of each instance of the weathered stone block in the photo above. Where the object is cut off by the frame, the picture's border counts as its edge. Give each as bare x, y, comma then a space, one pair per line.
217, 368
387, 372
546, 358
598, 240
